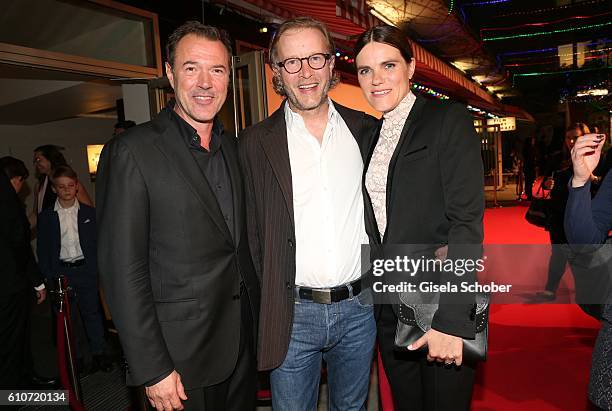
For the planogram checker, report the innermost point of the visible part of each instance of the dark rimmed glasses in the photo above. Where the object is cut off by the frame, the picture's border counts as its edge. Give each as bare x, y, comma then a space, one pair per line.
316, 62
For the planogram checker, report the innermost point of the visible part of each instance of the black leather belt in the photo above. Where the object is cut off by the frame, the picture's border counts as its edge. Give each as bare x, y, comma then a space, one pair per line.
71, 264
329, 295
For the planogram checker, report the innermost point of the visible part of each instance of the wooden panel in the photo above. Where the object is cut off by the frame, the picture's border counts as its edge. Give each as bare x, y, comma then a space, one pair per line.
12, 54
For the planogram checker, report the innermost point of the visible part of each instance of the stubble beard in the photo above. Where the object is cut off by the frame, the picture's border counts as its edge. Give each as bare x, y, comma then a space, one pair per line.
295, 102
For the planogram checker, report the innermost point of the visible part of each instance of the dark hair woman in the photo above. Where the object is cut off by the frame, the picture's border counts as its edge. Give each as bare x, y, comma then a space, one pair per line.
425, 182
46, 159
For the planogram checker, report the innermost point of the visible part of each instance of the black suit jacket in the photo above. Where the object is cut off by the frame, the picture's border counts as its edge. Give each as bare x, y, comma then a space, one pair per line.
18, 269
168, 264
264, 155
49, 241
435, 195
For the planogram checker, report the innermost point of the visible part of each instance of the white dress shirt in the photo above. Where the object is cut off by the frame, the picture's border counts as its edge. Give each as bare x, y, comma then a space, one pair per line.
376, 176
69, 229
327, 202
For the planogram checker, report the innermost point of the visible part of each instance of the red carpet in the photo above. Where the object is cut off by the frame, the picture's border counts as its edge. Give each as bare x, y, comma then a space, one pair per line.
539, 355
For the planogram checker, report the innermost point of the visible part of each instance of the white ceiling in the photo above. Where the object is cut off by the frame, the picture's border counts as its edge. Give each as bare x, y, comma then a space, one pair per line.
34, 96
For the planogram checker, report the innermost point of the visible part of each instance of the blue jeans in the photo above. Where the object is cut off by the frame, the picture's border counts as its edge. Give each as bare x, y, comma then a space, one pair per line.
343, 335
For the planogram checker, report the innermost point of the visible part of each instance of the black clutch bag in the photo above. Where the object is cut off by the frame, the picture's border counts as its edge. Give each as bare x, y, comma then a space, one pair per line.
415, 319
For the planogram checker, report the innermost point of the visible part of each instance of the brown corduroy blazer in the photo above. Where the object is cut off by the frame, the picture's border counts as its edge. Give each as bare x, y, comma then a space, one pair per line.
264, 157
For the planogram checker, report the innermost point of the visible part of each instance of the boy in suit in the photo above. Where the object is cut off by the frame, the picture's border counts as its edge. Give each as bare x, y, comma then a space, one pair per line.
67, 246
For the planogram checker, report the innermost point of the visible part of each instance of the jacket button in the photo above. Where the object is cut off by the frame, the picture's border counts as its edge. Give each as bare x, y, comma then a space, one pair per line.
288, 285
236, 297
290, 242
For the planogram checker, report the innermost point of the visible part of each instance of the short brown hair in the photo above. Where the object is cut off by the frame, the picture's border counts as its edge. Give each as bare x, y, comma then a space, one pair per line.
298, 23
64, 171
202, 30
389, 35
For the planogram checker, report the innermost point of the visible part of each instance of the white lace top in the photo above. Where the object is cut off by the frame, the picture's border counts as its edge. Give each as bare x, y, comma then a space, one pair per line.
376, 176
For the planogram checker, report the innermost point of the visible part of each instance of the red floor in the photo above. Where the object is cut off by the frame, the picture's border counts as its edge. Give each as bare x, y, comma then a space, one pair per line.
539, 355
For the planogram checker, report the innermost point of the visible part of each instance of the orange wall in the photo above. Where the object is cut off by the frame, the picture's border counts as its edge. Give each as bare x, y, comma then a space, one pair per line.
345, 94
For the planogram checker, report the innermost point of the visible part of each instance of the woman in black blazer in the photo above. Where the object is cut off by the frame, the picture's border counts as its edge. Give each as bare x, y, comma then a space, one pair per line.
424, 178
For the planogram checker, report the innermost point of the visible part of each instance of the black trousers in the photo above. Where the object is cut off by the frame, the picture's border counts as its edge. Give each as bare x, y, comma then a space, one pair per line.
14, 335
238, 392
85, 299
417, 384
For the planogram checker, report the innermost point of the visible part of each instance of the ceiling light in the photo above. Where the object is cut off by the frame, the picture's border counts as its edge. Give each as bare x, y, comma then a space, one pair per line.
593, 92
380, 16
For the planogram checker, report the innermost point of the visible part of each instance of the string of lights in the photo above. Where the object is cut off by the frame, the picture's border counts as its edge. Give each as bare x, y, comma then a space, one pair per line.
513, 53
545, 10
578, 53
545, 33
539, 63
542, 23
554, 73
427, 90
485, 3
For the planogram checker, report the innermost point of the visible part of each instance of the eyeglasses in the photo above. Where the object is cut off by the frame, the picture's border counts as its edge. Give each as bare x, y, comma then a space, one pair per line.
316, 62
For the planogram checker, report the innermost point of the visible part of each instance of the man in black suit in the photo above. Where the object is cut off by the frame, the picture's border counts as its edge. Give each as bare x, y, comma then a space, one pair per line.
173, 254
19, 274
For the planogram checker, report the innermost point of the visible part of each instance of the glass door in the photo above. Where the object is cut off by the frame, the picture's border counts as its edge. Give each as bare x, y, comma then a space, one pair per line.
249, 90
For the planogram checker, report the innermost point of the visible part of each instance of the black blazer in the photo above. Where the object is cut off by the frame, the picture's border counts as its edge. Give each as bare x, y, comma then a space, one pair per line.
264, 155
49, 241
435, 193
18, 269
168, 264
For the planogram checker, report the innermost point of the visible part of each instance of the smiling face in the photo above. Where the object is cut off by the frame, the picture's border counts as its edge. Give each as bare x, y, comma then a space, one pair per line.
200, 78
307, 89
384, 76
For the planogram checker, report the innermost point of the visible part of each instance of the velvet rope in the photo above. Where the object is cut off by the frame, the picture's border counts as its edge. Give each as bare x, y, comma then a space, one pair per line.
61, 353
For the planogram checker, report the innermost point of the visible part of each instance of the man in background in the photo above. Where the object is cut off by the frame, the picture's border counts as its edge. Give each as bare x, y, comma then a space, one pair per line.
20, 277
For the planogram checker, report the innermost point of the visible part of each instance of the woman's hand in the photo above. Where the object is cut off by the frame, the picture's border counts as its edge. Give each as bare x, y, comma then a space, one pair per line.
442, 347
585, 157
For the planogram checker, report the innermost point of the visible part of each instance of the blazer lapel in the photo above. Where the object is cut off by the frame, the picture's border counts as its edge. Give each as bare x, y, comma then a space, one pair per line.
276, 148
230, 154
407, 132
170, 144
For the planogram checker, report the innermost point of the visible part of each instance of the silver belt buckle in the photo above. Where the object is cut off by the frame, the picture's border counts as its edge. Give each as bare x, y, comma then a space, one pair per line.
322, 296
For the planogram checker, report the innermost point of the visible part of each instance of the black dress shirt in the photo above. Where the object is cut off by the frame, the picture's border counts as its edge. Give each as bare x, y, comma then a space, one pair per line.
212, 164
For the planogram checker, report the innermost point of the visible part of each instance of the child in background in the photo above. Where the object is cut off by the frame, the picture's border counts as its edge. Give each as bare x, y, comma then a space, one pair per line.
67, 246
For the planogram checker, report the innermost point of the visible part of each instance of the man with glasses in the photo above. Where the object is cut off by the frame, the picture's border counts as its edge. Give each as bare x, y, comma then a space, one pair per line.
303, 175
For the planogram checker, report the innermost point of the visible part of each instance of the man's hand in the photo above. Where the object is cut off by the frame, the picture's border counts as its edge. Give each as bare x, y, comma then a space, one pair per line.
442, 347
41, 295
167, 394
585, 157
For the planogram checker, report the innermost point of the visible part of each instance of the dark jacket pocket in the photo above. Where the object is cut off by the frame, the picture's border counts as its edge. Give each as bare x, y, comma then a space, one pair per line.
416, 154
177, 310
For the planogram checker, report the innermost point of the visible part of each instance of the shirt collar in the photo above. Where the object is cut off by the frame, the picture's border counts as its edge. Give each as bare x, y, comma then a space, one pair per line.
402, 109
190, 134
74, 207
292, 118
